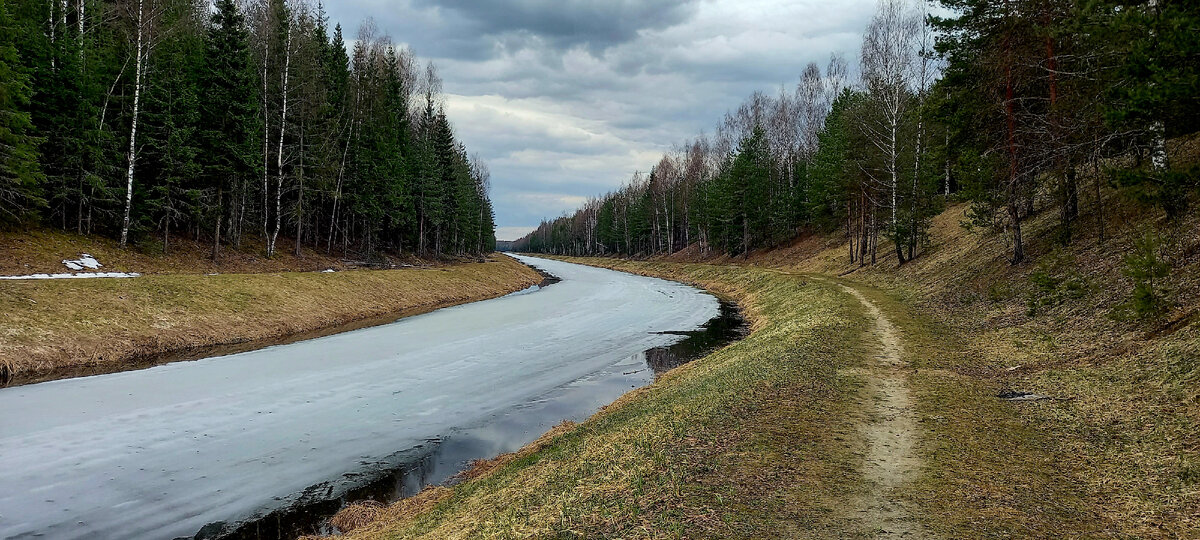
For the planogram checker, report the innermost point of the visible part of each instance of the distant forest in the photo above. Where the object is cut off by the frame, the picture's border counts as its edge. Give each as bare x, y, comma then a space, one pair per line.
148, 119
1015, 106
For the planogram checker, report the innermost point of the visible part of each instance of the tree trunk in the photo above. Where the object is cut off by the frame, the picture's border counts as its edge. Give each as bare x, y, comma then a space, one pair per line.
216, 247
1013, 191
300, 195
1014, 215
287, 64
947, 166
137, 96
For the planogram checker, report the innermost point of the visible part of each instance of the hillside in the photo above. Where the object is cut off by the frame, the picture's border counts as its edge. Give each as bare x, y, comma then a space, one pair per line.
771, 436
185, 306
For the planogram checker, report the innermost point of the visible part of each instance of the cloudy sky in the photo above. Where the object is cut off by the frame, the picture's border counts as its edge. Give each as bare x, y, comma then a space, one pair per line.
566, 99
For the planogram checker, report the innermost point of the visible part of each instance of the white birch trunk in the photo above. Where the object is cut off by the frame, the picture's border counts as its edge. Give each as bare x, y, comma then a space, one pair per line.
50, 33
287, 63
947, 172
893, 166
1158, 130
139, 68
266, 137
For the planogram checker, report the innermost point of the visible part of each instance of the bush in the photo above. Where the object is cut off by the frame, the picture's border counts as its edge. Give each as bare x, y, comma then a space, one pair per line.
1055, 280
1149, 272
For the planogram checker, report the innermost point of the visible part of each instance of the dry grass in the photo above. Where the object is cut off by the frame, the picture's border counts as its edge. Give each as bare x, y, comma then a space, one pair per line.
1121, 456
760, 439
43, 250
47, 327
755, 441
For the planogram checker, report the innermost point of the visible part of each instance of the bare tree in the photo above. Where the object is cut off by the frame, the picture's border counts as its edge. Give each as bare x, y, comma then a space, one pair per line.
142, 17
888, 55
283, 118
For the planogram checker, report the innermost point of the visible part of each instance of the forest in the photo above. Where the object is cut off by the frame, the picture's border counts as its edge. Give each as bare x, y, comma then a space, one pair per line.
1017, 107
243, 121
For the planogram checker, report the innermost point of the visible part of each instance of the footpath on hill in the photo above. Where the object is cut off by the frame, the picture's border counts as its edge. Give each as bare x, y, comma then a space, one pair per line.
876, 402
835, 418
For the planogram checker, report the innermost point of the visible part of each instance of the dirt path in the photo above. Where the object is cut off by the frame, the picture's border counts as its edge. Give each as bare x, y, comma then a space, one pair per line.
891, 434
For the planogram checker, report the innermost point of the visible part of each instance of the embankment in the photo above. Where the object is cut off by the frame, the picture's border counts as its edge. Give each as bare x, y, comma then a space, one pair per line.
61, 328
772, 436
758, 440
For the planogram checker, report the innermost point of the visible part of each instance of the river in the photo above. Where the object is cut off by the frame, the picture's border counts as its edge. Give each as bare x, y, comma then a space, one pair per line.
165, 451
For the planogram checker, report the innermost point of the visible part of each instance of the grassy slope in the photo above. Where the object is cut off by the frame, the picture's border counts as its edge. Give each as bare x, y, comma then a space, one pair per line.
759, 439
756, 440
50, 325
43, 250
1122, 448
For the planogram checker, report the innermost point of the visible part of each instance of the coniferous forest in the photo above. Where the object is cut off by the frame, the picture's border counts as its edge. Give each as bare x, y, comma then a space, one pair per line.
1017, 107
244, 120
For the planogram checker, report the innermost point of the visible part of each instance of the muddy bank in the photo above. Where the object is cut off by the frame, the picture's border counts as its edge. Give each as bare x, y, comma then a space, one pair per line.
200, 352
442, 461
162, 452
54, 330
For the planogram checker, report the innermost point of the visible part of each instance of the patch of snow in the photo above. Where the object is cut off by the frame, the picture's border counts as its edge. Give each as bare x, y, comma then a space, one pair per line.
328, 271
84, 261
74, 276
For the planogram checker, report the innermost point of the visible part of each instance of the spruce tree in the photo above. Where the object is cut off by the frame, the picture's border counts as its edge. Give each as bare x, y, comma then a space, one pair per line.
229, 115
20, 176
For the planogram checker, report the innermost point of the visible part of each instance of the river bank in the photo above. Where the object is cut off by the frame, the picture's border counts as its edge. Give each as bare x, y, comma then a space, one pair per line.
756, 440
223, 442
860, 405
52, 329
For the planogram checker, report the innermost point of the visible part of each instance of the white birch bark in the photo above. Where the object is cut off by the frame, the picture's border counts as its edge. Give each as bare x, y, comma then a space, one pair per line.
50, 32
266, 132
287, 63
139, 69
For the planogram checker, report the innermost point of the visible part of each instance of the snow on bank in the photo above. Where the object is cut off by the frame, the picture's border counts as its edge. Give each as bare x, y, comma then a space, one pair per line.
84, 261
74, 276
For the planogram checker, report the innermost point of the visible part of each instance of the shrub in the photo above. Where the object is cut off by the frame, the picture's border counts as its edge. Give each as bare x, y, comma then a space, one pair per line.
1055, 280
1149, 272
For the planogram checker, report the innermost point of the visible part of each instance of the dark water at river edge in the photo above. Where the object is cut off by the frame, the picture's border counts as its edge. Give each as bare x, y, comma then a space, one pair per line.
438, 461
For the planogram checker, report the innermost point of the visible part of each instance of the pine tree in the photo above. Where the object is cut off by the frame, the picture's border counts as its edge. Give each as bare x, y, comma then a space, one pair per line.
20, 175
1153, 88
749, 186
229, 119
171, 153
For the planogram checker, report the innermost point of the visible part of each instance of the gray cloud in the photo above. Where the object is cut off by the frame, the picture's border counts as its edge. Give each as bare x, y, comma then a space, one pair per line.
565, 99
567, 23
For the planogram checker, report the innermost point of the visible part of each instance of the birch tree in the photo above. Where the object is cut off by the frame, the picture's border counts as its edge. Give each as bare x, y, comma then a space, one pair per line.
888, 55
141, 32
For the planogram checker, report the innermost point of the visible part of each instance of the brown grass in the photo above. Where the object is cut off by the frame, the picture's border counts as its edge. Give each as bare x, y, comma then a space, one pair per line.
755, 441
34, 251
1120, 457
50, 327
760, 440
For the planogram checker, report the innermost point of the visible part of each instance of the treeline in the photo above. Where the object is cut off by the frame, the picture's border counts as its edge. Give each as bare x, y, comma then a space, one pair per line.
1000, 103
144, 119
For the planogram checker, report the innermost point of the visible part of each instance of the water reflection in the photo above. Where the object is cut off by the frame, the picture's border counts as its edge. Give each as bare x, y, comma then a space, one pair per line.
437, 461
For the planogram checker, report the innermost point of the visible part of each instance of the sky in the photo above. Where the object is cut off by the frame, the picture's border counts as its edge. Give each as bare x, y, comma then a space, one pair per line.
566, 99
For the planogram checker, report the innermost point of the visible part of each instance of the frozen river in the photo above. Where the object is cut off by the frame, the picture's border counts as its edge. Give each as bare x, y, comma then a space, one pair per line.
161, 452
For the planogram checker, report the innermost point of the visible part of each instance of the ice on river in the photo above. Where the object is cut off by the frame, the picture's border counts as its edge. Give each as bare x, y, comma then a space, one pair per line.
159, 453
